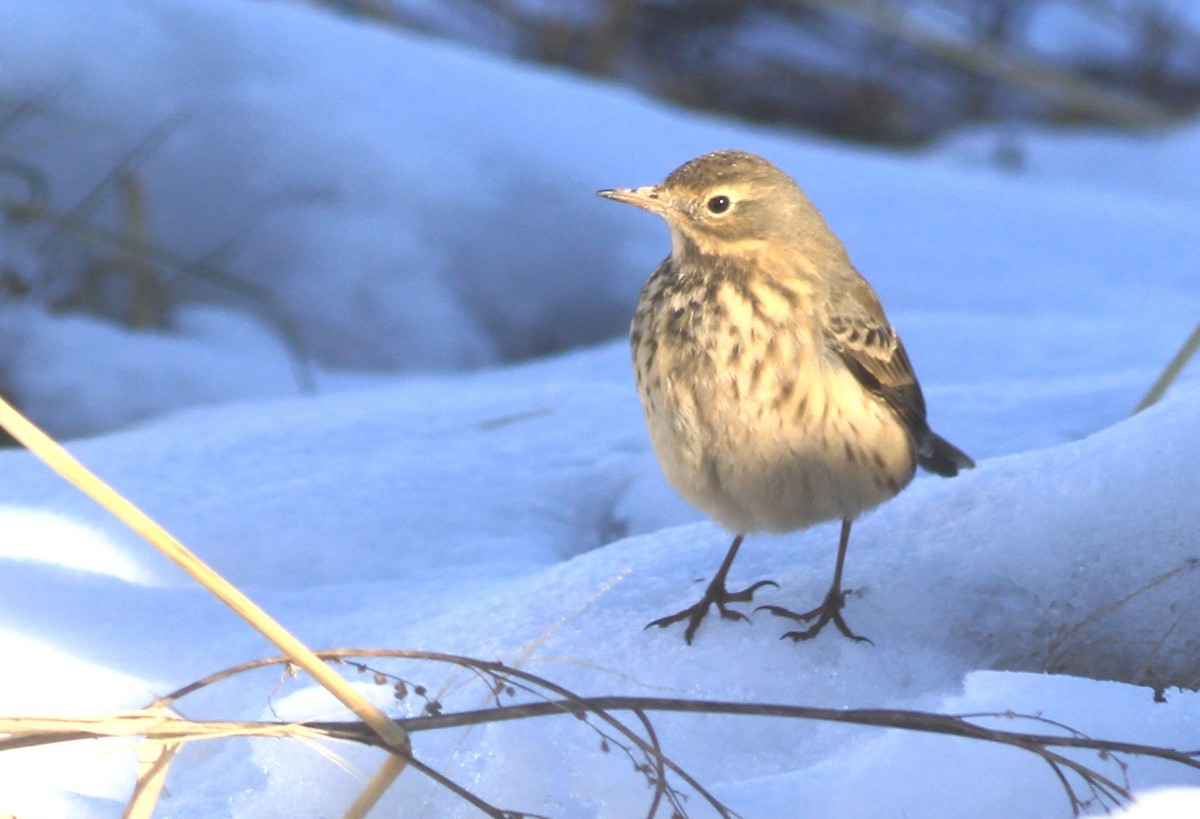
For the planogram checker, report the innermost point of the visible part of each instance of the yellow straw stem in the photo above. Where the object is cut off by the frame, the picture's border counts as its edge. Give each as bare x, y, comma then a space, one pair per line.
75, 473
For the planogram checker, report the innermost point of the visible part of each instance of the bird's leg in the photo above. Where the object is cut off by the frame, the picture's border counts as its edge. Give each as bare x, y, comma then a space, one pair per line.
715, 595
830, 611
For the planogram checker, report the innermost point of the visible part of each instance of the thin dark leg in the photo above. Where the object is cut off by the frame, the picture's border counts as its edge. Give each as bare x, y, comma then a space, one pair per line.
715, 595
830, 611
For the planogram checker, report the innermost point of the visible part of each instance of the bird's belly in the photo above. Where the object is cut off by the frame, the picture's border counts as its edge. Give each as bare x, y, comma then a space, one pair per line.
768, 452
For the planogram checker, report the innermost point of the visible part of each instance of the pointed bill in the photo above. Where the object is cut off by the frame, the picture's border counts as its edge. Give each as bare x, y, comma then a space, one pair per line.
647, 197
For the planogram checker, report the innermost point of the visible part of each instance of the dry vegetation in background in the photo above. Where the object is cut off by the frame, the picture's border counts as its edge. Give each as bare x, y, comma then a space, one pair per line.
897, 72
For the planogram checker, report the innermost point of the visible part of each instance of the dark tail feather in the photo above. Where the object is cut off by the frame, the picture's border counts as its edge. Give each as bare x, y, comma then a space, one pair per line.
942, 457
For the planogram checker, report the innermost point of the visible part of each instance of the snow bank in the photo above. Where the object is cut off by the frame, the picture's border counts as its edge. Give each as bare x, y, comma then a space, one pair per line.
421, 208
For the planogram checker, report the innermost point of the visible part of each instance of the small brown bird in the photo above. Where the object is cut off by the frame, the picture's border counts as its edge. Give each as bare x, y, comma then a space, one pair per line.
776, 393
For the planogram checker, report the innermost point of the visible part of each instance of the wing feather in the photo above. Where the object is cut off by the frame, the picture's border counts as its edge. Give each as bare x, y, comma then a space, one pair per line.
859, 333
872, 351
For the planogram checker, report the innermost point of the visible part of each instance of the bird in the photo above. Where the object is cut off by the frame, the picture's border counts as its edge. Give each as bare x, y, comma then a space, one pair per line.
776, 393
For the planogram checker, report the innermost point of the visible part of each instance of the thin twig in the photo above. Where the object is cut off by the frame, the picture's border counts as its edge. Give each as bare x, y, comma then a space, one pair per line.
1066, 633
136, 155
1171, 372
660, 774
885, 718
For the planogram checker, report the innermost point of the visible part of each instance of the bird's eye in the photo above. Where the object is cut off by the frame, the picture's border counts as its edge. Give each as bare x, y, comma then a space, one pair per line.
719, 204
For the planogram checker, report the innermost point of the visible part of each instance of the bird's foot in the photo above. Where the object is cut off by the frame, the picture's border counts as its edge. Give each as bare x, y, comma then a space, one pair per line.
715, 595
828, 612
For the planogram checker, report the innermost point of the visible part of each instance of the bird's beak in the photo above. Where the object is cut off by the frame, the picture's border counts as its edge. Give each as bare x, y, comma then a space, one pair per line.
648, 197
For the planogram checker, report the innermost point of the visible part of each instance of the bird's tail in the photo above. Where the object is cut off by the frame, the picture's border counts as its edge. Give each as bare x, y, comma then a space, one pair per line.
942, 457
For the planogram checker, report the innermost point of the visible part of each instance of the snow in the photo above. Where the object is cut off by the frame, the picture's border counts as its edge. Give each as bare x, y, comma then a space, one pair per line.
460, 481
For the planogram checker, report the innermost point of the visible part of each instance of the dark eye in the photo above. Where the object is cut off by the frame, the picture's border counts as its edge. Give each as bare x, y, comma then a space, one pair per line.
718, 204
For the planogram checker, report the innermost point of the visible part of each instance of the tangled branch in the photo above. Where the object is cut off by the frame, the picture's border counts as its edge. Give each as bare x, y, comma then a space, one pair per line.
622, 722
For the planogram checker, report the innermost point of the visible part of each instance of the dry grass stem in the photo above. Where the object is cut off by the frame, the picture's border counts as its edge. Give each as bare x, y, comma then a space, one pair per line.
1171, 372
75, 473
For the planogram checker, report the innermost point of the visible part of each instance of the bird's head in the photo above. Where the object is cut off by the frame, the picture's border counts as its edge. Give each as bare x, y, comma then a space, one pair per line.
724, 201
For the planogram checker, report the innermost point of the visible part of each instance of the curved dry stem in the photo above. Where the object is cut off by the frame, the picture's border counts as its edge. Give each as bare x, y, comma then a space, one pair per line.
568, 702
660, 774
555, 700
1102, 787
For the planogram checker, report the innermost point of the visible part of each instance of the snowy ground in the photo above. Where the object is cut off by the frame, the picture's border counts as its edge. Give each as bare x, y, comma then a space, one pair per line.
424, 209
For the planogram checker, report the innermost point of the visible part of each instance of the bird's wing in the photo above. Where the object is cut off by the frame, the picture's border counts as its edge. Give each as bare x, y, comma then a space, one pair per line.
860, 335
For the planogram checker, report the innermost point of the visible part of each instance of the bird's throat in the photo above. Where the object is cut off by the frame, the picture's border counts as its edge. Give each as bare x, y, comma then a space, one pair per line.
679, 245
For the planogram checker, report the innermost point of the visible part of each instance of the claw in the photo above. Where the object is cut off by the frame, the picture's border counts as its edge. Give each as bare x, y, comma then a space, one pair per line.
747, 594
830, 611
715, 595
